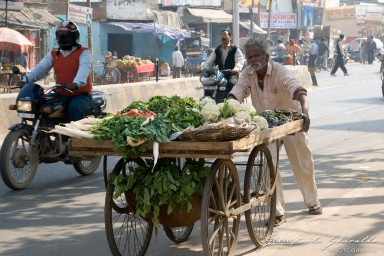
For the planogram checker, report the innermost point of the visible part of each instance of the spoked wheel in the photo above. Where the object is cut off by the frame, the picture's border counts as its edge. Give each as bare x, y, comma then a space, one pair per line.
4, 84
219, 228
258, 184
13, 80
87, 164
178, 234
127, 234
18, 160
112, 76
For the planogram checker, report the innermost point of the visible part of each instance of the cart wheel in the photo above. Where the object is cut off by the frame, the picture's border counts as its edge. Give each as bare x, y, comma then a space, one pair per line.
126, 233
178, 234
222, 194
4, 84
258, 183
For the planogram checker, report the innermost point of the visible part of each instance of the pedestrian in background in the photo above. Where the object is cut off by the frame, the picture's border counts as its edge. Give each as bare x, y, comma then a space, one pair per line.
294, 50
371, 49
178, 62
21, 59
301, 44
323, 53
339, 57
313, 51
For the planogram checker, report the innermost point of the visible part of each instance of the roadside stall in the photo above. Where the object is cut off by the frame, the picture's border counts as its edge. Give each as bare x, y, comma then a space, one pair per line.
171, 183
15, 42
134, 69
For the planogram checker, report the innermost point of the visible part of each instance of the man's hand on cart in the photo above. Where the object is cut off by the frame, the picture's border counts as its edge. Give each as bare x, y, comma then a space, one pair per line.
306, 123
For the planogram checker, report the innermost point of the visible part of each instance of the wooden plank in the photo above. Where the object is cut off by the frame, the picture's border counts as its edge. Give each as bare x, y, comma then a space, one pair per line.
268, 136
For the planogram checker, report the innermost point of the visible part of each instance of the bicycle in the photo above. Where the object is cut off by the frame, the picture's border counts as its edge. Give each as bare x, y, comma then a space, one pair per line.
110, 75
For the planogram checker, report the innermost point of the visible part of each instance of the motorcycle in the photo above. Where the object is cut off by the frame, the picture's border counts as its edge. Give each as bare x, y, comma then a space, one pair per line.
30, 142
214, 84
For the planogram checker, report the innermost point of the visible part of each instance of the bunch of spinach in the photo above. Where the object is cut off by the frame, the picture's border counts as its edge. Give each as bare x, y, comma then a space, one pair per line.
167, 184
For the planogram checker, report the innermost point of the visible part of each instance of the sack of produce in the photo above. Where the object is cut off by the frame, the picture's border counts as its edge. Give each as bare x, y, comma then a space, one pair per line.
229, 129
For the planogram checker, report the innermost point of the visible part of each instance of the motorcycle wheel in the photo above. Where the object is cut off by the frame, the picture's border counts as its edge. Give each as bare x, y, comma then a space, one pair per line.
87, 165
17, 169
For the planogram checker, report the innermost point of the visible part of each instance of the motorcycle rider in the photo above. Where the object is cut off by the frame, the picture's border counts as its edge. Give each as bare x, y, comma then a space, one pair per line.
227, 56
280, 51
72, 65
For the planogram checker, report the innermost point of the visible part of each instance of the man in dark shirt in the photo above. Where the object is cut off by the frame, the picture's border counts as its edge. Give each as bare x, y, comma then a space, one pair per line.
323, 53
371, 49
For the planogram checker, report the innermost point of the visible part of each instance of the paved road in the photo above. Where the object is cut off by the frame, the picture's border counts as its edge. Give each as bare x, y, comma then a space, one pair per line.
61, 213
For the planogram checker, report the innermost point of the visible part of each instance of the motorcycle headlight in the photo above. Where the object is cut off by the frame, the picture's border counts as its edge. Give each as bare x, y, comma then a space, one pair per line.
24, 106
208, 80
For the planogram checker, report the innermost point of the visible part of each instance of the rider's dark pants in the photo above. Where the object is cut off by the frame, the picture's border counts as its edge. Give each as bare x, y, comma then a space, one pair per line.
232, 80
76, 106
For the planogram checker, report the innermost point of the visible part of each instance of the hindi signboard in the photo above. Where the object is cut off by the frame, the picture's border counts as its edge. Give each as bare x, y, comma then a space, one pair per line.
279, 20
80, 15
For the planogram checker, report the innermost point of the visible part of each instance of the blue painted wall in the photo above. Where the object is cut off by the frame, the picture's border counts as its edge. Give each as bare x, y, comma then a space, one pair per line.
143, 43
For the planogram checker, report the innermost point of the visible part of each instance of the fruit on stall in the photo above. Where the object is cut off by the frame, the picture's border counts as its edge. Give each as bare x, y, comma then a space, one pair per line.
130, 62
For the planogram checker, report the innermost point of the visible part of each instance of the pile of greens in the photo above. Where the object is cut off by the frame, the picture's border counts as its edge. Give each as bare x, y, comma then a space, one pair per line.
172, 115
278, 117
167, 184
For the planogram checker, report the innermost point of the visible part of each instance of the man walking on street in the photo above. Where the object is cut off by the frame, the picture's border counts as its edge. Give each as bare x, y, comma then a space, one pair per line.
323, 53
339, 57
371, 49
178, 62
313, 51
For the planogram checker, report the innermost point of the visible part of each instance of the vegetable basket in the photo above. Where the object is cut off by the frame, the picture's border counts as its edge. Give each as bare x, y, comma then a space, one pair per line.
229, 129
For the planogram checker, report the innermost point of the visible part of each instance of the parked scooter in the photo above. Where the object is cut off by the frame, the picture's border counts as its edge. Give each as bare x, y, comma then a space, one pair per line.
30, 142
214, 83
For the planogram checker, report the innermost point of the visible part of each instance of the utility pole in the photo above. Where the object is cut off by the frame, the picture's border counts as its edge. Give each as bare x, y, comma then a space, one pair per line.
90, 28
251, 17
269, 19
235, 20
6, 13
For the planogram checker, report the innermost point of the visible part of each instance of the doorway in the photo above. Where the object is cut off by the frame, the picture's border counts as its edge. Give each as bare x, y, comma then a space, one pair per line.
122, 44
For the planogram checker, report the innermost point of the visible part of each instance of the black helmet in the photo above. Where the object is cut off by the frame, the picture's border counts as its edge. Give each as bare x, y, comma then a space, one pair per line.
67, 35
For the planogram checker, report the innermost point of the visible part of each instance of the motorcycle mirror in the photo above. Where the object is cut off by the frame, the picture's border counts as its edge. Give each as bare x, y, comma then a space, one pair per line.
15, 70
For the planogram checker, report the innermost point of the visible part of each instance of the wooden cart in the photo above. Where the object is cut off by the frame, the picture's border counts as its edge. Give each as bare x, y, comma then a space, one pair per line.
222, 201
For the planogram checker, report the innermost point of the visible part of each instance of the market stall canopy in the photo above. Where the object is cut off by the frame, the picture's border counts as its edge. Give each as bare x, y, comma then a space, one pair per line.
34, 17
206, 15
245, 23
157, 29
12, 40
166, 24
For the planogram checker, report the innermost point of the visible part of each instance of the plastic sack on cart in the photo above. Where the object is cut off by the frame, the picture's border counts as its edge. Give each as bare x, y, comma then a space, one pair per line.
229, 129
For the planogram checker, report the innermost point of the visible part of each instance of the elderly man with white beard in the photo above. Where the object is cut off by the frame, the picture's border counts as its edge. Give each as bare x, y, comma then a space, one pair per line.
272, 86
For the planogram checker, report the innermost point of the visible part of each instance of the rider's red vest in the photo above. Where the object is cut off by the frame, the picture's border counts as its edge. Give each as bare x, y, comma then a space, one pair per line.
66, 69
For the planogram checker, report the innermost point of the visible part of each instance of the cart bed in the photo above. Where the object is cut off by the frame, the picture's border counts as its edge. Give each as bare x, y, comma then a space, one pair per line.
190, 149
